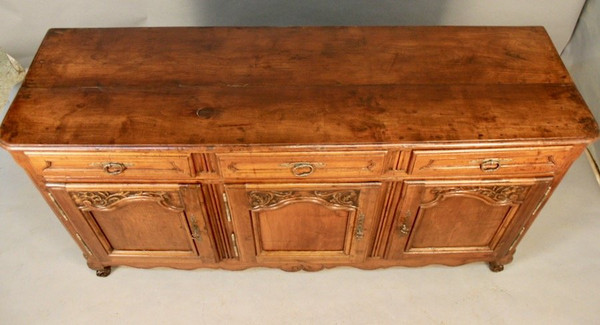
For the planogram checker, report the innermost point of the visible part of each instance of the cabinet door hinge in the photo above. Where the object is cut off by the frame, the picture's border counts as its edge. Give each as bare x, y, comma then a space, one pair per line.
60, 209
227, 210
195, 229
537, 207
360, 231
235, 246
87, 249
512, 245
542, 200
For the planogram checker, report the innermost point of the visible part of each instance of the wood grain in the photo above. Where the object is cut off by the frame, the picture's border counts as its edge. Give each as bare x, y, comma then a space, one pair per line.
313, 85
297, 115
300, 148
269, 56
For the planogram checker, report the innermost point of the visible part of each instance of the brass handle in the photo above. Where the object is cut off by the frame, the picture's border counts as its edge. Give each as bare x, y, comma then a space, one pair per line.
113, 168
490, 165
303, 169
195, 228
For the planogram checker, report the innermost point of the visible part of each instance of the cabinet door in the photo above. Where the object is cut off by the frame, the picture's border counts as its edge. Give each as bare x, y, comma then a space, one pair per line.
480, 218
303, 222
119, 221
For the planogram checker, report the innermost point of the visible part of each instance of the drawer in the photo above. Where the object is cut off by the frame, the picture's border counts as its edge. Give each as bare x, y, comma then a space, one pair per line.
63, 166
299, 165
535, 160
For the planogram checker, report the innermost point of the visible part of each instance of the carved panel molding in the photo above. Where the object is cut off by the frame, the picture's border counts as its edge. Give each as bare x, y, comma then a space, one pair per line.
106, 200
270, 199
347, 198
512, 194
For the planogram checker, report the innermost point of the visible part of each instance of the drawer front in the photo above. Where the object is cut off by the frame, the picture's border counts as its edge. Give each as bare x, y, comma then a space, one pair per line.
301, 165
64, 166
483, 162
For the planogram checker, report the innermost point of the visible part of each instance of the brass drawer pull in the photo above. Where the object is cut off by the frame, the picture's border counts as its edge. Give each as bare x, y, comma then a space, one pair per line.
490, 165
113, 168
303, 169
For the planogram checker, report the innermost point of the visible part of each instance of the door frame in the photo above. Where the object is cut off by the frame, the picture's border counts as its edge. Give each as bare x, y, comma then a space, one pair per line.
361, 226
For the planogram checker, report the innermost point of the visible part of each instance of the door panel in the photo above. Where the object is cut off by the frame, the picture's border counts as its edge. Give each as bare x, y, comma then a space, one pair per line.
473, 226
142, 225
307, 226
456, 217
141, 221
297, 222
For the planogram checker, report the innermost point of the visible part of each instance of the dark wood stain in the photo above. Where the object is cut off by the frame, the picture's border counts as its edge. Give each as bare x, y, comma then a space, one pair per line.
476, 123
208, 112
273, 85
589, 124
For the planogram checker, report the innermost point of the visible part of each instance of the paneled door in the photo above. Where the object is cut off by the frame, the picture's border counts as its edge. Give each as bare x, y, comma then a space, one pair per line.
303, 222
128, 220
483, 218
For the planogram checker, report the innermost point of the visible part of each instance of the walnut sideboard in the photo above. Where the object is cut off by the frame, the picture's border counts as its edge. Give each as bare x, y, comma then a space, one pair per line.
298, 148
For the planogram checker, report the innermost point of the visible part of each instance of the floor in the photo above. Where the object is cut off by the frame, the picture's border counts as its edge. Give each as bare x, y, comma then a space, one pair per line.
553, 279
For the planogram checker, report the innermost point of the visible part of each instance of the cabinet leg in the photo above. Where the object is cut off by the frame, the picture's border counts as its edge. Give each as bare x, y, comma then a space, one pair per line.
94, 264
496, 267
104, 272
498, 264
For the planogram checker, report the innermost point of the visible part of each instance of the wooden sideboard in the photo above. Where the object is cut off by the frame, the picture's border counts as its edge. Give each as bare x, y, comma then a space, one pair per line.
297, 148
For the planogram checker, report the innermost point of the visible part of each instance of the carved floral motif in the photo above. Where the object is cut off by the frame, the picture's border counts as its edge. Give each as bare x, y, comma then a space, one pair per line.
347, 198
498, 194
267, 199
105, 200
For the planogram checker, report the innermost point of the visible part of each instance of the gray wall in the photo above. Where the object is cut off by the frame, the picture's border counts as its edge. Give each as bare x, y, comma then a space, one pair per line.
582, 58
24, 22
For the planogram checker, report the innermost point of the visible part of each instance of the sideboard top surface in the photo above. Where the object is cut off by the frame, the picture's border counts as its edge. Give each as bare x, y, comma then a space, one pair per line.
296, 86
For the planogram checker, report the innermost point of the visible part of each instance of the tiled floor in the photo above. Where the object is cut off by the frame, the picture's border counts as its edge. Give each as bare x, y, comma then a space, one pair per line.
554, 279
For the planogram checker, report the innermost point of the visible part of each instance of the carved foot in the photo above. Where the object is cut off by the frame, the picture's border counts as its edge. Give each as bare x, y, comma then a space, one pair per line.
103, 272
496, 267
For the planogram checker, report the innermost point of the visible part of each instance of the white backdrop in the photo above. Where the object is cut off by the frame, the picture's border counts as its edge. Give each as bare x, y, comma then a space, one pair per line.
582, 58
24, 22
